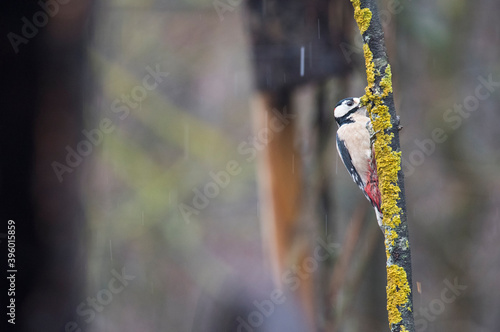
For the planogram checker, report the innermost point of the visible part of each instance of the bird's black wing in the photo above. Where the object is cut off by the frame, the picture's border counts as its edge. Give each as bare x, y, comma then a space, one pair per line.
346, 159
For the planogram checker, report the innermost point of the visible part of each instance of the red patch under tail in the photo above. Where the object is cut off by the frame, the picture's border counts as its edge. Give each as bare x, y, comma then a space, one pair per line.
371, 187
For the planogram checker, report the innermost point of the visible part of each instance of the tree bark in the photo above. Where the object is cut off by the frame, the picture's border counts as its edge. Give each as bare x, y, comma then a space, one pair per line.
380, 104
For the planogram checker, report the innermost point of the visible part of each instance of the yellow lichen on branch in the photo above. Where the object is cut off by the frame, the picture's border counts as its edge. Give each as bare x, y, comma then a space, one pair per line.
398, 291
386, 81
363, 16
370, 69
388, 161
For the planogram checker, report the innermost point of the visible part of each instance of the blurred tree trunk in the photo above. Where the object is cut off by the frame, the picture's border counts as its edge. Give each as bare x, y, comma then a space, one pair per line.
42, 79
293, 43
280, 179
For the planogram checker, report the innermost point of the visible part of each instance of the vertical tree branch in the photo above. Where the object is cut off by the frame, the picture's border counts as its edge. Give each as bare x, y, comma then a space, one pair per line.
380, 104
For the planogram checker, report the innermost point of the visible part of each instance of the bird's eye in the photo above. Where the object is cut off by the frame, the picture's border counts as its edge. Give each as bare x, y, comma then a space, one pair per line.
350, 103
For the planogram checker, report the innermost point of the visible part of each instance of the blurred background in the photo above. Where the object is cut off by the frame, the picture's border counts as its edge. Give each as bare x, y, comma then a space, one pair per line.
171, 165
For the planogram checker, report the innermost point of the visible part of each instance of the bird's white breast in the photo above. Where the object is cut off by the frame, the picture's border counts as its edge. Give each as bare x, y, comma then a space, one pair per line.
357, 141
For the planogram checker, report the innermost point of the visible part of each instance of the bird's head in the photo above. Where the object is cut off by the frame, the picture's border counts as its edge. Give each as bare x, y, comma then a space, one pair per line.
346, 107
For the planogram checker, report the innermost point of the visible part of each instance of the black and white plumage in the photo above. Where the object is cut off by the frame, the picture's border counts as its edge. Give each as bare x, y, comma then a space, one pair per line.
355, 149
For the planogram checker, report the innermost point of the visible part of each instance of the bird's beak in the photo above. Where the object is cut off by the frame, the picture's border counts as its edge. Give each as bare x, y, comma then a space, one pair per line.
357, 100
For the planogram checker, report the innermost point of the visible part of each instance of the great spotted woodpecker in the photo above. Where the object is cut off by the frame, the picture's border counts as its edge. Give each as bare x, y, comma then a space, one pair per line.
354, 144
